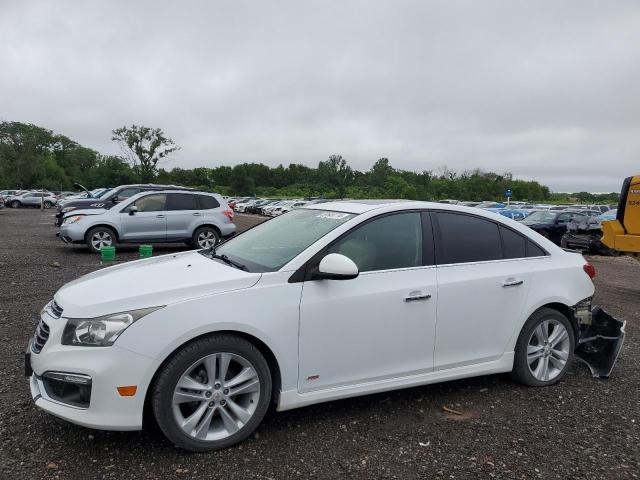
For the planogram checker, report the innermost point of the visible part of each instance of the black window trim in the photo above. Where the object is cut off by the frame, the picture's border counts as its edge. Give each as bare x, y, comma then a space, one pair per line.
305, 272
438, 239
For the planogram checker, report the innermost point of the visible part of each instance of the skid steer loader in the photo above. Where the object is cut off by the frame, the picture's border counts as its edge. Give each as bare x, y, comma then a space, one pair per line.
623, 233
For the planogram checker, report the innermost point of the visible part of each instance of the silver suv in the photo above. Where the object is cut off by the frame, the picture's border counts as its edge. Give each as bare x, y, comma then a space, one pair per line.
33, 199
197, 218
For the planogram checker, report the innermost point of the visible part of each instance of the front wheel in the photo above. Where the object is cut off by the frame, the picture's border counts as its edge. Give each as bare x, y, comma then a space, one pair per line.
48, 204
544, 349
212, 393
100, 237
15, 204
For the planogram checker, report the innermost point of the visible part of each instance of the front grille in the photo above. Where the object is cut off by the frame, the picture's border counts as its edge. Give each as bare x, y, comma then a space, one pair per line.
56, 310
41, 336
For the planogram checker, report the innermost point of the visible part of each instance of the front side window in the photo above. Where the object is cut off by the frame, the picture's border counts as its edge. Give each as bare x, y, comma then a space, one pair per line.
466, 238
151, 203
390, 242
271, 245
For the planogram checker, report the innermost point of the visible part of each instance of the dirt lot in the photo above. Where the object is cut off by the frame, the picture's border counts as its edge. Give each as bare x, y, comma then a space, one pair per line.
582, 428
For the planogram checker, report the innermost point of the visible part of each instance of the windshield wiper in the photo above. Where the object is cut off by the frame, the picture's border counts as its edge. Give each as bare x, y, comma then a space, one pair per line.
212, 253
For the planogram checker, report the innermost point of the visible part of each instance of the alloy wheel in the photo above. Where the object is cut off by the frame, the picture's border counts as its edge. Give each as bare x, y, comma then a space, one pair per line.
216, 396
548, 350
101, 239
206, 239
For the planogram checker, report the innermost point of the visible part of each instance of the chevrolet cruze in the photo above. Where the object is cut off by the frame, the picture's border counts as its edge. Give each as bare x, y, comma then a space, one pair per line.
325, 302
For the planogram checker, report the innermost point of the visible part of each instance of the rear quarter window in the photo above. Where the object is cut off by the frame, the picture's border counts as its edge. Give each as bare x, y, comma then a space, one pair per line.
207, 202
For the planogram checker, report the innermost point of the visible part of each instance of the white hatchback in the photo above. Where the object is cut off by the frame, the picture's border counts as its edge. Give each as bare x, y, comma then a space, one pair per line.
325, 302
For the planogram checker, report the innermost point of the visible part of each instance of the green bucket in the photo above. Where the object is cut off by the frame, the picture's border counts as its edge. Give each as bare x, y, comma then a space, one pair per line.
145, 251
108, 254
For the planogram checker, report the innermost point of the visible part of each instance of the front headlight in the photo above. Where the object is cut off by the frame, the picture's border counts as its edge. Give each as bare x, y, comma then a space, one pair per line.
100, 331
68, 209
74, 219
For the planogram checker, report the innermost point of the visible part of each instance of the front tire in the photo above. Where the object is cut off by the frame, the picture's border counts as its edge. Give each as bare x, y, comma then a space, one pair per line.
15, 204
48, 204
544, 349
99, 237
212, 393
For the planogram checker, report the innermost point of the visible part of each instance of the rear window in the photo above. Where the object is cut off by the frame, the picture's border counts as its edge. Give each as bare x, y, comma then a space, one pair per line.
207, 202
465, 238
181, 201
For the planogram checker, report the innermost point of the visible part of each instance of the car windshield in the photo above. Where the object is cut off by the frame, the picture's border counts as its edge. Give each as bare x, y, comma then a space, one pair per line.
542, 217
271, 245
108, 193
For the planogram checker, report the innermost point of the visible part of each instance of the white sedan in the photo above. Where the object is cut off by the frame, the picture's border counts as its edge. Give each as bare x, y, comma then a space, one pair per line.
325, 302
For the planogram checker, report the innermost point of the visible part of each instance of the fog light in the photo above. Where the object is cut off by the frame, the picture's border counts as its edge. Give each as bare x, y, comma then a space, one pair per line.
69, 388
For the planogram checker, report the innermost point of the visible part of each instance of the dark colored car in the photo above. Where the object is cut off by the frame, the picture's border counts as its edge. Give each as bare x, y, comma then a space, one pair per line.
110, 198
551, 223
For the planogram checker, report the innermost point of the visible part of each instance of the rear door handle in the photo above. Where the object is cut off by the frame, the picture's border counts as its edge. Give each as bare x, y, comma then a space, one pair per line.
512, 282
415, 297
196, 214
159, 216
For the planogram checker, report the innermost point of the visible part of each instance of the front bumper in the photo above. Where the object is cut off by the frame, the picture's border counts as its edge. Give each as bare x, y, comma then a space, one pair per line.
107, 367
72, 233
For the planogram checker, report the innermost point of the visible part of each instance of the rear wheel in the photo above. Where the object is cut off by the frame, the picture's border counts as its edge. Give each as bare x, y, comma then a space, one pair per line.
48, 204
99, 237
544, 349
212, 393
205, 237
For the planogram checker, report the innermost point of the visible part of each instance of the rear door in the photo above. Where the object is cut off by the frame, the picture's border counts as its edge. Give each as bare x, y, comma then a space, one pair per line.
483, 280
182, 215
149, 223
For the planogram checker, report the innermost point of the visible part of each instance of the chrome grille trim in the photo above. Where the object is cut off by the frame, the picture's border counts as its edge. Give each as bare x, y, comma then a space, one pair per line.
56, 310
40, 337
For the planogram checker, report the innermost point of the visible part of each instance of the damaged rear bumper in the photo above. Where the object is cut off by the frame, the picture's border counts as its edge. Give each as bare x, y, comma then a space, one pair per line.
600, 339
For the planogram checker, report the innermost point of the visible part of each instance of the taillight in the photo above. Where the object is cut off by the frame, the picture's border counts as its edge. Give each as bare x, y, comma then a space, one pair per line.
589, 270
229, 214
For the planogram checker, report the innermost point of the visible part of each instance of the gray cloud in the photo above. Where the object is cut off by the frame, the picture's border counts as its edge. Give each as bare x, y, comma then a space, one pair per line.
546, 90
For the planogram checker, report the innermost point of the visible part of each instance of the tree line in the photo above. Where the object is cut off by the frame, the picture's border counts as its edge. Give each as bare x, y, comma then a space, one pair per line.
35, 157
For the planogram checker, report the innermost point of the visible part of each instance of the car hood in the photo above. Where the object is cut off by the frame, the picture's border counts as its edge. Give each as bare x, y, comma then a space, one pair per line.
84, 211
150, 282
88, 203
534, 224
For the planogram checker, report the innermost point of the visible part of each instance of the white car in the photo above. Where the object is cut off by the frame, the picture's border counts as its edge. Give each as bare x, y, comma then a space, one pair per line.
329, 301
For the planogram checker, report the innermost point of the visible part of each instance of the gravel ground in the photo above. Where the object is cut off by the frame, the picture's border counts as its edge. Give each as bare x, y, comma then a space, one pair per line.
581, 428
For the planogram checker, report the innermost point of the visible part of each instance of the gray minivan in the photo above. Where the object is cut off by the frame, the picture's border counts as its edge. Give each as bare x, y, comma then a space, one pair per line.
197, 218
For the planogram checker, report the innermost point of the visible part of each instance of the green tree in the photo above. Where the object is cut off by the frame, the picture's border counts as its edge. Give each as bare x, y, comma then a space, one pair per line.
144, 148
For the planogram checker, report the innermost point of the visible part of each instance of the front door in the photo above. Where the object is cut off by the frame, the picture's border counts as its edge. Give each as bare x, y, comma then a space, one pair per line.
379, 325
148, 224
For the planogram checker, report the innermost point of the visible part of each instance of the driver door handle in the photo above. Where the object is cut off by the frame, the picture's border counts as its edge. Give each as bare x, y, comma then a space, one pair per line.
196, 214
512, 282
159, 216
415, 297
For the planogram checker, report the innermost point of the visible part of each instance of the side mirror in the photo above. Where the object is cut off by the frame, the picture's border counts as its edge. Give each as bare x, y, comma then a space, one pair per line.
336, 267
132, 210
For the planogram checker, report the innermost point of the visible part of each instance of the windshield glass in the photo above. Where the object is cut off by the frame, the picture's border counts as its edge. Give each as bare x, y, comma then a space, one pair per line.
272, 244
108, 193
542, 217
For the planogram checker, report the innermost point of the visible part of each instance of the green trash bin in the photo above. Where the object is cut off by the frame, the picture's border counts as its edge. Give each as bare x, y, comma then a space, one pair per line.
108, 254
145, 251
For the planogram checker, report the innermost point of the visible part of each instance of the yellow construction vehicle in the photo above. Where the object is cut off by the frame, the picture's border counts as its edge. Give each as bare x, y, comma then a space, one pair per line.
623, 233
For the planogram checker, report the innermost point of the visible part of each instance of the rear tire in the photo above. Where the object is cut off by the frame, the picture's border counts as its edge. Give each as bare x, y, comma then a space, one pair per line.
99, 237
544, 350
48, 204
193, 396
205, 237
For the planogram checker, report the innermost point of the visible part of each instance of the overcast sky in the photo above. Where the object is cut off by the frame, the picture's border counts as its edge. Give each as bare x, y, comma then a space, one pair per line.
548, 90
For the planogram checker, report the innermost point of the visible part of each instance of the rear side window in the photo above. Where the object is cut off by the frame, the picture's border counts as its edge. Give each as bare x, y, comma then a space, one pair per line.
514, 245
207, 202
181, 201
466, 238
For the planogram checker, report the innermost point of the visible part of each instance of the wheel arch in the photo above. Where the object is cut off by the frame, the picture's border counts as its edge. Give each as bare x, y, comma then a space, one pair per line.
265, 350
210, 225
104, 225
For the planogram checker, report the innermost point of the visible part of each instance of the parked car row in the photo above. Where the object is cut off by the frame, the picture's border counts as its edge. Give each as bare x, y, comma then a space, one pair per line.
28, 198
269, 207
